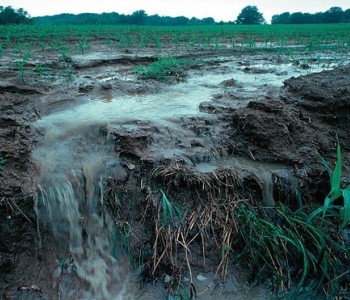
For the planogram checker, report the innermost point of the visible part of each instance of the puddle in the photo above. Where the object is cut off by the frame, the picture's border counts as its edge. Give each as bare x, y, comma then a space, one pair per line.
207, 287
107, 98
115, 77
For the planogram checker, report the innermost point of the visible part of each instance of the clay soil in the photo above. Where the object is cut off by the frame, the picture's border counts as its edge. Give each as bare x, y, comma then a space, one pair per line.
277, 125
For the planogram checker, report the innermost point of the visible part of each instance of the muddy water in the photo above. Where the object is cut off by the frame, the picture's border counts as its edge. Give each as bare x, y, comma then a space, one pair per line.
263, 171
177, 100
70, 203
72, 161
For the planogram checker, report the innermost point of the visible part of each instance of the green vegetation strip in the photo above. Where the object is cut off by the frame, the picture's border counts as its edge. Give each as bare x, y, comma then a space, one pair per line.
54, 37
166, 69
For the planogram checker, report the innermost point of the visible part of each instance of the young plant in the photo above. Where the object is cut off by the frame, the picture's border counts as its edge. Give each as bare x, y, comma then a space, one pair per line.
43, 71
21, 64
168, 212
159, 43
110, 44
336, 193
83, 45
67, 73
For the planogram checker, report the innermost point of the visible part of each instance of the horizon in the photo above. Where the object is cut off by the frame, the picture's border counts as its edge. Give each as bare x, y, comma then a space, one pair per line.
226, 10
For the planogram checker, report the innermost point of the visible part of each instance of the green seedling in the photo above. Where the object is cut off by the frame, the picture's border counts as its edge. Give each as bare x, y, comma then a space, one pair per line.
83, 45
21, 64
110, 44
67, 73
123, 42
142, 44
336, 193
43, 71
168, 217
217, 43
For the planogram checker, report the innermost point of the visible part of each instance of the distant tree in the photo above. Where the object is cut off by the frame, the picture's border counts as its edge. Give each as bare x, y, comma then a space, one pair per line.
138, 17
181, 21
301, 18
8, 15
281, 19
333, 15
250, 15
317, 17
208, 21
194, 21
347, 16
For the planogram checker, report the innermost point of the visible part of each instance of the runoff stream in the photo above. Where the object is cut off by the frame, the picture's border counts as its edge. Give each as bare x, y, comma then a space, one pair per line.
82, 255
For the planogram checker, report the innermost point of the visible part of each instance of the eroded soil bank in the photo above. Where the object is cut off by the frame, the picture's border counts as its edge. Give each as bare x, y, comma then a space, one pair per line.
231, 132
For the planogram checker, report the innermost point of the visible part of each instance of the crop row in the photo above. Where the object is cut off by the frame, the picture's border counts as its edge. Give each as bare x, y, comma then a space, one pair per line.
49, 37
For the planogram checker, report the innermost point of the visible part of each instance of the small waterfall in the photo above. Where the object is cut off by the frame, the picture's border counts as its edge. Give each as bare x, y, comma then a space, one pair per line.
58, 202
70, 206
262, 171
267, 187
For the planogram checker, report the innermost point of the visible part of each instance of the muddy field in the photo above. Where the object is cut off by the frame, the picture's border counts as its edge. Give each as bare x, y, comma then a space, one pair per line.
100, 160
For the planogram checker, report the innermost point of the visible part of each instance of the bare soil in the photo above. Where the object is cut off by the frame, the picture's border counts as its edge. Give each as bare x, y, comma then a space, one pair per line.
277, 125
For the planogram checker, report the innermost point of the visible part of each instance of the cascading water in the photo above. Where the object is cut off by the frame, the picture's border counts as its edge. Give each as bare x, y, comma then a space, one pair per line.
70, 203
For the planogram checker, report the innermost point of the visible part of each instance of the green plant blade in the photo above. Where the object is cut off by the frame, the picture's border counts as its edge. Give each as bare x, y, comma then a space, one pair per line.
325, 207
179, 214
167, 210
314, 214
346, 208
336, 177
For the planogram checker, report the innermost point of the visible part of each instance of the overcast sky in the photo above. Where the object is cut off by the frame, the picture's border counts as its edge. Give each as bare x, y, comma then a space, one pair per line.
220, 10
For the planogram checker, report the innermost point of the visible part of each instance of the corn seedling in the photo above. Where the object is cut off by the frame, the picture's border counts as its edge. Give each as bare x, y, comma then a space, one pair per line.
68, 75
21, 64
142, 44
329, 207
109, 43
83, 45
43, 71
159, 43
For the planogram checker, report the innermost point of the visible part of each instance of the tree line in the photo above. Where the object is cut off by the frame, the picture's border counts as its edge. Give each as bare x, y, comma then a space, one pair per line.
333, 15
248, 15
137, 18
8, 15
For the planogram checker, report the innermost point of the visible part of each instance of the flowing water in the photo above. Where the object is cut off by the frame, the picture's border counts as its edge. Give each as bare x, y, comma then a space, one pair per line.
263, 171
71, 204
73, 160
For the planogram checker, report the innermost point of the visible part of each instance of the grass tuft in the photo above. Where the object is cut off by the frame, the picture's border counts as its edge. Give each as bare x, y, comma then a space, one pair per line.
166, 69
289, 250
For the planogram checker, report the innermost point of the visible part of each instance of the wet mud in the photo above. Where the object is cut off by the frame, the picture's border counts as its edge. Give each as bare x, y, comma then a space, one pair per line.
241, 126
